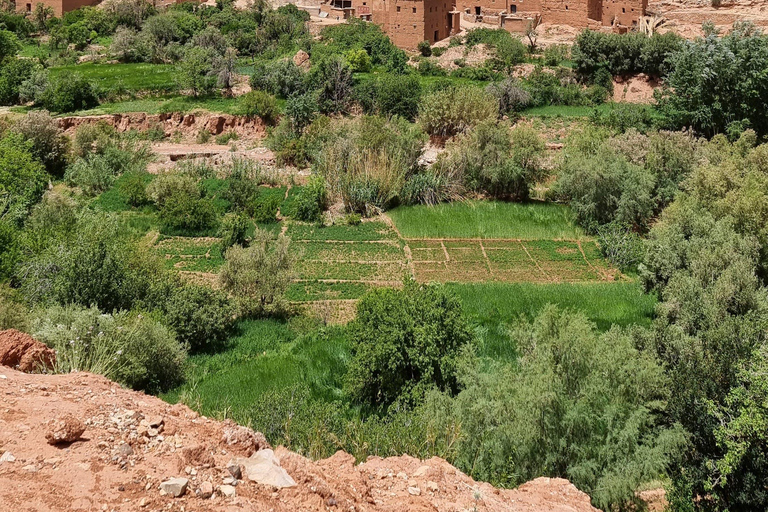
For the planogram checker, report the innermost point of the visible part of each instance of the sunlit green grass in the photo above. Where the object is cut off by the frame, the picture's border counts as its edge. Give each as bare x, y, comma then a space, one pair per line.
266, 355
494, 306
126, 77
486, 219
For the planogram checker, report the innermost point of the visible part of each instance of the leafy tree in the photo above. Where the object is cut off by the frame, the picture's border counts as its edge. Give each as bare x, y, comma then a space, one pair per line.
233, 230
398, 95
9, 44
13, 73
405, 342
258, 276
333, 78
425, 49
182, 213
70, 92
260, 104
22, 177
359, 61
195, 71
201, 317
49, 144
715, 82
455, 110
282, 78
575, 404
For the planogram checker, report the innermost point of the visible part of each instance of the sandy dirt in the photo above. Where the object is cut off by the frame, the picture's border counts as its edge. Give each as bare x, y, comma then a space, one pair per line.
134, 442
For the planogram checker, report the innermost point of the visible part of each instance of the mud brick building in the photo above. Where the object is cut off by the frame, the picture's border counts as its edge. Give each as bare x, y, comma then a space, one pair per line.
408, 22
59, 6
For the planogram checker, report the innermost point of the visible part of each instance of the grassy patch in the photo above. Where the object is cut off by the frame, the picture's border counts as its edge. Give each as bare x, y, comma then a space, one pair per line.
134, 77
266, 355
362, 232
315, 290
494, 305
191, 254
114, 199
486, 219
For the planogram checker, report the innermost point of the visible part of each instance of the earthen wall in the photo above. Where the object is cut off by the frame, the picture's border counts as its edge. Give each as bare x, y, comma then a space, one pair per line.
59, 6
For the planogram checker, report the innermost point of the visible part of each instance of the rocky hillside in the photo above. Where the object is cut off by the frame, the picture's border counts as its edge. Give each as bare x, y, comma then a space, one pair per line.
81, 442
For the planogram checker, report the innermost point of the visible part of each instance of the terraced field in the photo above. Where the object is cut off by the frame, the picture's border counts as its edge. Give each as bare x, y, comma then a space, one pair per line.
340, 263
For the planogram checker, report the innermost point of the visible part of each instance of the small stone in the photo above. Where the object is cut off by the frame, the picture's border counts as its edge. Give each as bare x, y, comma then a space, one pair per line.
125, 450
155, 421
432, 486
229, 480
414, 491
205, 490
121, 488
175, 486
152, 432
188, 470
402, 475
143, 502
64, 429
422, 471
331, 502
31, 468
7, 457
227, 491
52, 461
235, 471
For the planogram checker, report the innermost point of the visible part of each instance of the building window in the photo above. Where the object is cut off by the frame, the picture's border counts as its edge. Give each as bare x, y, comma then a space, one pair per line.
414, 10
398, 8
29, 7
623, 10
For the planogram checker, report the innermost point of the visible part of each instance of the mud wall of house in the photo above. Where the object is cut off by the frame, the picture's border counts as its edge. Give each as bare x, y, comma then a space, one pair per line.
59, 6
408, 22
625, 12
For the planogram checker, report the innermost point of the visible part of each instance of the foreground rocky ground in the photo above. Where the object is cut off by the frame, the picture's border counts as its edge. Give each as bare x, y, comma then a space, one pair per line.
137, 452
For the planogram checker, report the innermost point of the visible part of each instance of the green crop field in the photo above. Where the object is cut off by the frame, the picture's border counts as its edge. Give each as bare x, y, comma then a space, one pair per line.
126, 77
486, 219
266, 355
492, 306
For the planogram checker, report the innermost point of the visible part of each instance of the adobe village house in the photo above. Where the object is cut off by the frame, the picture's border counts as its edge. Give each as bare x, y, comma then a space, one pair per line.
408, 22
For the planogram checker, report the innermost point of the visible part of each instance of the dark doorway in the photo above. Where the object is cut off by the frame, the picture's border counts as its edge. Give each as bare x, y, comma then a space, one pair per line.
513, 9
477, 11
437, 36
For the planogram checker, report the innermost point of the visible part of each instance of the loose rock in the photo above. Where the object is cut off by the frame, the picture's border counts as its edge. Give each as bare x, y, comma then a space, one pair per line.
7, 457
205, 490
227, 491
414, 491
264, 468
64, 429
176, 487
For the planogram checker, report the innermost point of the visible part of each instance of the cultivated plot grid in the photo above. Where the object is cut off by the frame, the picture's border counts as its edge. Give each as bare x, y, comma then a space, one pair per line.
508, 260
341, 263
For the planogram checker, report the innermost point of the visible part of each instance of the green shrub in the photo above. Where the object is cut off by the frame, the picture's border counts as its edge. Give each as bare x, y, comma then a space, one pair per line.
201, 317
11, 245
455, 110
195, 71
13, 73
96, 172
405, 342
84, 258
9, 44
258, 276
310, 202
554, 54
590, 389
493, 159
225, 138
132, 349
425, 49
233, 230
13, 314
438, 51
265, 208
182, 213
168, 184
261, 104
69, 92
511, 96
242, 186
429, 68
353, 219
133, 187
22, 176
49, 144
282, 78
621, 246
359, 61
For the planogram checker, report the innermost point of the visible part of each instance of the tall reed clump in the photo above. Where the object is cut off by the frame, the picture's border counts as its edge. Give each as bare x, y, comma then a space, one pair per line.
370, 161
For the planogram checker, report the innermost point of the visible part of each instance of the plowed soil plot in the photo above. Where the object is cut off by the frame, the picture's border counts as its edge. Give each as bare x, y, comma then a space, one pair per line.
506, 260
